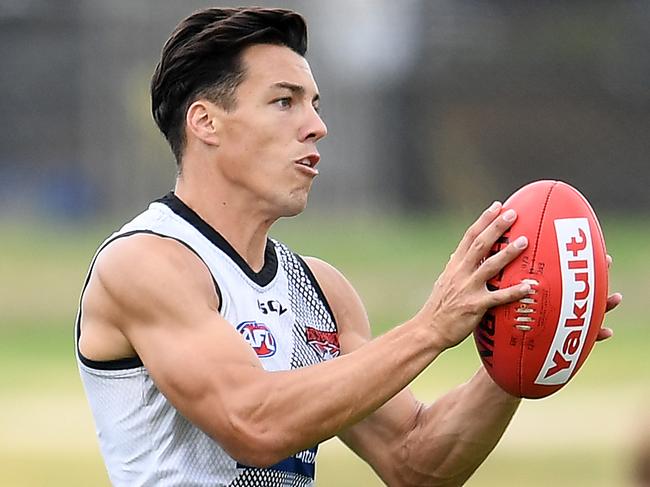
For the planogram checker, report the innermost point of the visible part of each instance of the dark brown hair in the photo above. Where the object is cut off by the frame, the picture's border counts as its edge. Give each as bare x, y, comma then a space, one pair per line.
202, 58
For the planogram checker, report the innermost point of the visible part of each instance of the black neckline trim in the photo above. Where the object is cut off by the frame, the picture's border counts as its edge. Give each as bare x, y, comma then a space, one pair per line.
261, 278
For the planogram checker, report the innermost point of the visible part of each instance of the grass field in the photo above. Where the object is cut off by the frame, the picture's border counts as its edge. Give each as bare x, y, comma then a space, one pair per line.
581, 436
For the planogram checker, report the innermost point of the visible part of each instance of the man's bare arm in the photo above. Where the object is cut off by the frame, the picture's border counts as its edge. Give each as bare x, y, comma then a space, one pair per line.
405, 441
161, 298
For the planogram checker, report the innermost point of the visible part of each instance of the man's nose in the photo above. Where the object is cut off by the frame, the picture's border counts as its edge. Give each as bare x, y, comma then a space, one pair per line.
314, 127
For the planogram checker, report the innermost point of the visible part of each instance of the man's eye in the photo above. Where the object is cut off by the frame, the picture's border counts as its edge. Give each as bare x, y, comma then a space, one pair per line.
283, 102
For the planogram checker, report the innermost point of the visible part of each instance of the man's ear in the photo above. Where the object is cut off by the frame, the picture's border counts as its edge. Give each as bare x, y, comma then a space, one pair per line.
203, 121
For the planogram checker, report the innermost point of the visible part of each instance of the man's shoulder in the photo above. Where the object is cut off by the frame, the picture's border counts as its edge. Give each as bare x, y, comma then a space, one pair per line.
143, 264
324, 271
339, 291
148, 232
325, 274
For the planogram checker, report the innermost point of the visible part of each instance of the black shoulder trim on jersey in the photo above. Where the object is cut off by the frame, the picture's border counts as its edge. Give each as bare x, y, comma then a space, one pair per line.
133, 362
127, 362
316, 285
118, 364
217, 289
261, 278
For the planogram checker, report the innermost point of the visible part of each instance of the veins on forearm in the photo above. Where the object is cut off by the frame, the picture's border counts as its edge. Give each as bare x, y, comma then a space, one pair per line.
454, 435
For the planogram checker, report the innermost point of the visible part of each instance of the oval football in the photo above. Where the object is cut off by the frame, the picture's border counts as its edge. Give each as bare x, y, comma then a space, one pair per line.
533, 347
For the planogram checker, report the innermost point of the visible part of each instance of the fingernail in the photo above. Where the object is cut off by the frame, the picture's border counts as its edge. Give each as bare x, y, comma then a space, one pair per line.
509, 215
494, 206
520, 243
524, 287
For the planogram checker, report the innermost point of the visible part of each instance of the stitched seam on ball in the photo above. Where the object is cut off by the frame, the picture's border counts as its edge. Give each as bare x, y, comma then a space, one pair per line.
539, 229
532, 267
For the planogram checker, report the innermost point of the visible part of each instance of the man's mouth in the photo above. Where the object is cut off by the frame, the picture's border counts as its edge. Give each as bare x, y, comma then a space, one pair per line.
309, 164
311, 160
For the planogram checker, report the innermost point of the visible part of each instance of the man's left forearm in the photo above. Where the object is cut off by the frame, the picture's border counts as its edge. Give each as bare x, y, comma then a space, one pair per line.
454, 435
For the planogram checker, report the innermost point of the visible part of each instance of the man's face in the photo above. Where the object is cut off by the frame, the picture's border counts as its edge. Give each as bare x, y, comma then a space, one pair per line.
267, 149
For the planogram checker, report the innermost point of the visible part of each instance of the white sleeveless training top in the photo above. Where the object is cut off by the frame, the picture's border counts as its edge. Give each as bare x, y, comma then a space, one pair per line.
280, 311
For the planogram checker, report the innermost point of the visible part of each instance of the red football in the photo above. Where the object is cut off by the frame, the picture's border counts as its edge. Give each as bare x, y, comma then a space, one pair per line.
534, 346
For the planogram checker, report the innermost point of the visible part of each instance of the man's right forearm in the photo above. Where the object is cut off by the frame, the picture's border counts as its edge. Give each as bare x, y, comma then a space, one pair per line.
275, 414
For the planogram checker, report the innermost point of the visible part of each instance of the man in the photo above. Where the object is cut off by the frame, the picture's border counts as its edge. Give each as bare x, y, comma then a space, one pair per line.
212, 355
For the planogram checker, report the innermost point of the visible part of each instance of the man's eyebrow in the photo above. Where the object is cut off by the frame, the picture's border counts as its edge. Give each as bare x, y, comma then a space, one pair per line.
297, 90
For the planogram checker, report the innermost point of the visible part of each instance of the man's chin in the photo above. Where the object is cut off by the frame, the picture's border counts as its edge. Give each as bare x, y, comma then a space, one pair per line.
295, 207
294, 211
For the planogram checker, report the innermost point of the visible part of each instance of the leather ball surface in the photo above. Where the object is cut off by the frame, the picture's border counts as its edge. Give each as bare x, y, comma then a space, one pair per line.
533, 347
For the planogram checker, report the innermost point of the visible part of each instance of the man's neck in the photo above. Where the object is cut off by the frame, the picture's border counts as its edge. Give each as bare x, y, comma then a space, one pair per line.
243, 227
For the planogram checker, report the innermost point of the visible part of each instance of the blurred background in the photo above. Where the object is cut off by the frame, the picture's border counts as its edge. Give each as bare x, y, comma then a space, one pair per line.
434, 110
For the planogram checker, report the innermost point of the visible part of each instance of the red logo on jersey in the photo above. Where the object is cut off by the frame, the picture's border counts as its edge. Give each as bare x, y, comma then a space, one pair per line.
259, 337
326, 343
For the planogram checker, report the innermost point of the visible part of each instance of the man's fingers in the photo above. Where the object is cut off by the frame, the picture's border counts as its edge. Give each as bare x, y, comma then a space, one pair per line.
508, 294
477, 228
609, 260
493, 265
613, 301
604, 334
482, 244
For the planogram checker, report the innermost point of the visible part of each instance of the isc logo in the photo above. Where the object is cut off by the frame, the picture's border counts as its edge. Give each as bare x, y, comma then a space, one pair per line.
259, 337
577, 267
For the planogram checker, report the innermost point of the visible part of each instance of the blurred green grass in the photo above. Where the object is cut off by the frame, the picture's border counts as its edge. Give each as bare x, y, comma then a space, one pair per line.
580, 436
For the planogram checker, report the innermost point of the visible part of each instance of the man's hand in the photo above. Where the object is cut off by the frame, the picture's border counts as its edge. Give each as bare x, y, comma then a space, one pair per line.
612, 302
460, 296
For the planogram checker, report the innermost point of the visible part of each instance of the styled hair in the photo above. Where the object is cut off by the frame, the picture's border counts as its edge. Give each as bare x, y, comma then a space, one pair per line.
202, 59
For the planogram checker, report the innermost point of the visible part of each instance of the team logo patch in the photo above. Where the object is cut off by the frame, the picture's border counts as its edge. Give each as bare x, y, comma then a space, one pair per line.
259, 337
326, 343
